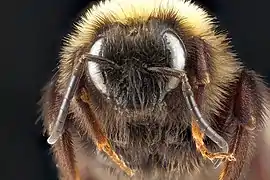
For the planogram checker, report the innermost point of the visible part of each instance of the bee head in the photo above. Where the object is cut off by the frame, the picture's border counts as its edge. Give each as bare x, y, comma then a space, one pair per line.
134, 49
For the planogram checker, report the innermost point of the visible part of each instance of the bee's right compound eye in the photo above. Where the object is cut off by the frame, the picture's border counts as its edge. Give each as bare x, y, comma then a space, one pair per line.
94, 68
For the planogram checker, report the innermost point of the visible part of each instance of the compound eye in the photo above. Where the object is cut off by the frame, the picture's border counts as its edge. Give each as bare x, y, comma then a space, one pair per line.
94, 68
177, 49
178, 55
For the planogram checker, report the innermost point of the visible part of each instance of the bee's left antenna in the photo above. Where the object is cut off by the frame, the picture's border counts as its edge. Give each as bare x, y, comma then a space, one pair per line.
58, 127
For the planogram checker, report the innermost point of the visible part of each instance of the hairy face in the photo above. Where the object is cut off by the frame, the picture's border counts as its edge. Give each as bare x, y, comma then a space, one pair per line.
130, 86
136, 105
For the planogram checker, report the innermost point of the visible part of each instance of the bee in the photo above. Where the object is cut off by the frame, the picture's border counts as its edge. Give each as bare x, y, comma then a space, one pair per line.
149, 89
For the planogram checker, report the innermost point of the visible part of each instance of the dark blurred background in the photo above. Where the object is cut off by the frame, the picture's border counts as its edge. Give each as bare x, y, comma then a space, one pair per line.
32, 33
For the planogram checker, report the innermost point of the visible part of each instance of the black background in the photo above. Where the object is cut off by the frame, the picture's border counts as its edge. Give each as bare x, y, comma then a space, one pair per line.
31, 39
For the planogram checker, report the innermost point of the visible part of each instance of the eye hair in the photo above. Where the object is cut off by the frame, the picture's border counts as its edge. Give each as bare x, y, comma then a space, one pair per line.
102, 60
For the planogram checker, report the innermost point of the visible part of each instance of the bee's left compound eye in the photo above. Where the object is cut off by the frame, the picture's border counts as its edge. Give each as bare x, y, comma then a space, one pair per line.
178, 54
177, 49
